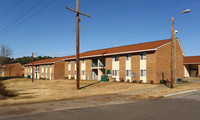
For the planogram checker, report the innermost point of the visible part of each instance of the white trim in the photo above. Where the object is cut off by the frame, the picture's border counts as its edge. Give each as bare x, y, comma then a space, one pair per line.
191, 63
115, 53
163, 45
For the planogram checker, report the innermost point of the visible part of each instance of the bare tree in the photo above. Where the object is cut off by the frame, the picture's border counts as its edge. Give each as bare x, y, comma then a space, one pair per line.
5, 53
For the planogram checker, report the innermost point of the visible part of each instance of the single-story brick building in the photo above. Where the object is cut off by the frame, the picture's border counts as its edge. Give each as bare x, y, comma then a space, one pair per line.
11, 70
192, 66
144, 62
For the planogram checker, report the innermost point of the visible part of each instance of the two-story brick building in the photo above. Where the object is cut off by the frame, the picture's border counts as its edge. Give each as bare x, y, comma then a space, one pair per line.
11, 70
49, 69
144, 62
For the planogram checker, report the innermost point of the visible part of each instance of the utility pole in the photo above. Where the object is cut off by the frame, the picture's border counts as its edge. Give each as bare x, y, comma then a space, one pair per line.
32, 68
172, 48
77, 42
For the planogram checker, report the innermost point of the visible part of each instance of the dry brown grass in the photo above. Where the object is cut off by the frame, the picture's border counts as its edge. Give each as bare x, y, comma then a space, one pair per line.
46, 90
165, 91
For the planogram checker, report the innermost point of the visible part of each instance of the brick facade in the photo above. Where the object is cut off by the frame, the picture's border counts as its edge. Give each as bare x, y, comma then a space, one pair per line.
72, 69
59, 69
151, 67
135, 67
122, 68
198, 70
108, 61
13, 70
88, 69
66, 69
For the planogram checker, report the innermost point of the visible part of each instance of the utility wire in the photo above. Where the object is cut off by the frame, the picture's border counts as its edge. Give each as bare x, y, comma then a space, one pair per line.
30, 16
141, 33
22, 15
12, 7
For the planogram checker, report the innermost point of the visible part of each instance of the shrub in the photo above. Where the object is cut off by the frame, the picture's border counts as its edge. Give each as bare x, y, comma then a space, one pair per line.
3, 92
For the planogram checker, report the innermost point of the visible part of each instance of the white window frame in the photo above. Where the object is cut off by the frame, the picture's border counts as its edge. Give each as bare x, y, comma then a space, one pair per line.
143, 56
128, 57
143, 73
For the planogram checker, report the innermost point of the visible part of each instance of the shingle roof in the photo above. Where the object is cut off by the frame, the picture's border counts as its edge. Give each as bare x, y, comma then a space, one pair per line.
191, 60
49, 61
127, 48
115, 50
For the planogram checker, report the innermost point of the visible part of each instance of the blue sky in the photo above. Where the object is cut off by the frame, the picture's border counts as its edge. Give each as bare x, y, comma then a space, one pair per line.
51, 31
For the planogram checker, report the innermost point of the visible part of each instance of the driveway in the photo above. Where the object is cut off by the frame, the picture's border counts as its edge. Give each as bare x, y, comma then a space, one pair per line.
183, 107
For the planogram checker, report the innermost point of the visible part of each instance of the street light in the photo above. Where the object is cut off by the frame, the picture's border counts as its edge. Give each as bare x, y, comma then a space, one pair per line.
173, 49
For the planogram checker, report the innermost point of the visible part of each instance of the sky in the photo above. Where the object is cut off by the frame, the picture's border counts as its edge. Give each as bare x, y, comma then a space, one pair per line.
45, 27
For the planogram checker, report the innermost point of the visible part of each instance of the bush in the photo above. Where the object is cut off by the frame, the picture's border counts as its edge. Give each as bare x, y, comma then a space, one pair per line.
3, 92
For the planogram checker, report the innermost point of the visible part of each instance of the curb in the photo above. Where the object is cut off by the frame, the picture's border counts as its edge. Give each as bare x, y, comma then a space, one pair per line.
179, 93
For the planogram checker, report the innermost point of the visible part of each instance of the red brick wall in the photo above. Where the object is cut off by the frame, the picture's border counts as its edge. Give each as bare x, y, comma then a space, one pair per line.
13, 70
164, 62
122, 67
179, 61
151, 67
108, 63
72, 69
88, 69
59, 69
135, 67
66, 69
163, 58
199, 70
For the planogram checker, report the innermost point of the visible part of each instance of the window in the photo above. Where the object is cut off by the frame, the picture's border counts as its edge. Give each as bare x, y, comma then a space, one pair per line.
83, 61
83, 72
128, 57
143, 73
115, 72
143, 56
69, 62
75, 72
69, 72
116, 58
128, 72
42, 74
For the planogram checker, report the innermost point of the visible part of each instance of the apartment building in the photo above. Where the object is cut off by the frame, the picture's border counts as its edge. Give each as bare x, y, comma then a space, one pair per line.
144, 62
11, 70
49, 69
192, 66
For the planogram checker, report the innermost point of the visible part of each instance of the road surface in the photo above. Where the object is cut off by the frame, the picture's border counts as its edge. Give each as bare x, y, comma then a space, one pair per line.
184, 107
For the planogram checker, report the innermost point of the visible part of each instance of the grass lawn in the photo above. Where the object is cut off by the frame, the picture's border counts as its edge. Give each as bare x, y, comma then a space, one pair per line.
165, 91
50, 90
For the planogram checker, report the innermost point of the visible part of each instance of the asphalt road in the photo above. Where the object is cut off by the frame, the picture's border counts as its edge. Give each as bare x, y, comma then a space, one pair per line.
184, 107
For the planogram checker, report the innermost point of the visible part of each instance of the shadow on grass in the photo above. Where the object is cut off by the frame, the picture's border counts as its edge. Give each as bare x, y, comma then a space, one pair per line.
90, 85
6, 93
7, 78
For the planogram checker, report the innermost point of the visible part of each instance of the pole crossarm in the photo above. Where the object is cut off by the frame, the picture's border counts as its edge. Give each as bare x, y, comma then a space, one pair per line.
78, 12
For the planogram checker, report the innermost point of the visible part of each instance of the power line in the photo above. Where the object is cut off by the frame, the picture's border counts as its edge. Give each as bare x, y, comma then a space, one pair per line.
12, 7
30, 16
22, 15
141, 33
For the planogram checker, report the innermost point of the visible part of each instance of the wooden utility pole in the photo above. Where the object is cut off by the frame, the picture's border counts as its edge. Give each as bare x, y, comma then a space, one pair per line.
32, 68
172, 49
77, 42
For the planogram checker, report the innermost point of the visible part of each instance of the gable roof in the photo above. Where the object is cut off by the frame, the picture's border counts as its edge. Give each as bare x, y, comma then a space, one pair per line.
49, 61
191, 60
141, 47
148, 46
